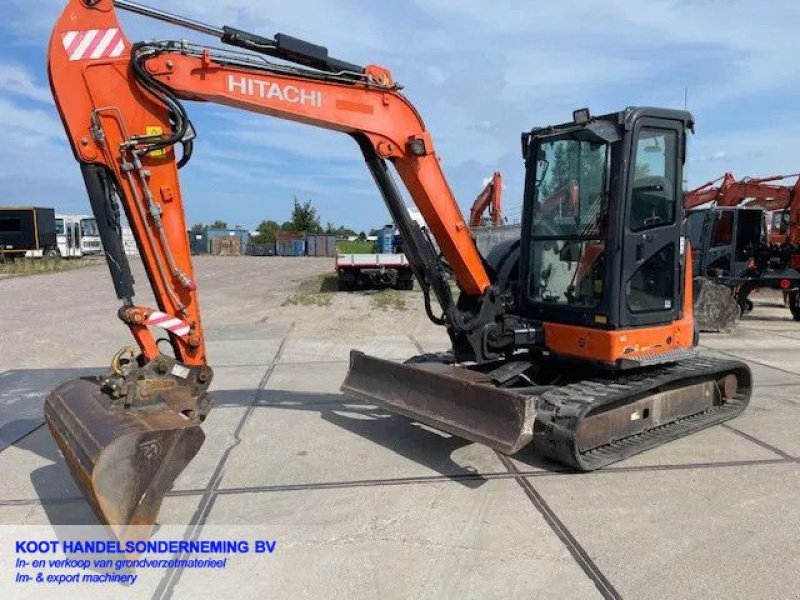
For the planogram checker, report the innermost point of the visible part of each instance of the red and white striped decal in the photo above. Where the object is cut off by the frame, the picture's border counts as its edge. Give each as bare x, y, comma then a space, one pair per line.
165, 321
93, 44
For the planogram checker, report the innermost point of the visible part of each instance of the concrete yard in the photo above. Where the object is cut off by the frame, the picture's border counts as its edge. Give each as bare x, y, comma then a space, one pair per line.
370, 505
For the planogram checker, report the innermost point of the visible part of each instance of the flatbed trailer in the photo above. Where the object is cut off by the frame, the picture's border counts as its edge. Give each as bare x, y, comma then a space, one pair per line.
374, 270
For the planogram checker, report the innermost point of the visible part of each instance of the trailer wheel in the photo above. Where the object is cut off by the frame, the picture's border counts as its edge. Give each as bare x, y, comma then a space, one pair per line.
405, 284
345, 285
52, 253
794, 304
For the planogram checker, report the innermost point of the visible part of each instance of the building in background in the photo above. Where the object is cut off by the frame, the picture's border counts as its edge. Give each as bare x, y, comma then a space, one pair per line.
129, 242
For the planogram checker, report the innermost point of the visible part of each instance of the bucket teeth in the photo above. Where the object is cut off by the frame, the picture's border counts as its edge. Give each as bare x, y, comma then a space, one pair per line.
123, 460
449, 398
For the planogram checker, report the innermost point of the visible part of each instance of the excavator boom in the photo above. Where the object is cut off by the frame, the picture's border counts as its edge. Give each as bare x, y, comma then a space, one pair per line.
489, 199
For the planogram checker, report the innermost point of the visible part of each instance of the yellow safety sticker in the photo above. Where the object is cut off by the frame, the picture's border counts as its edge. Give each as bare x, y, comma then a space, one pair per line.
156, 130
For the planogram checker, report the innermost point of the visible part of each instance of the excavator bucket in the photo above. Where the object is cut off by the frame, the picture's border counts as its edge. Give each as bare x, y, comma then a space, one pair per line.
715, 307
123, 460
449, 398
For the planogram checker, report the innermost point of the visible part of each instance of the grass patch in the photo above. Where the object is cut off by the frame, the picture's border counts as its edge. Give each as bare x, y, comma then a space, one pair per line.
388, 299
37, 266
355, 247
314, 291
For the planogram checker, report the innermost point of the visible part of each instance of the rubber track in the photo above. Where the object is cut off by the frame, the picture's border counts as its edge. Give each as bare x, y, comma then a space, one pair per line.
560, 410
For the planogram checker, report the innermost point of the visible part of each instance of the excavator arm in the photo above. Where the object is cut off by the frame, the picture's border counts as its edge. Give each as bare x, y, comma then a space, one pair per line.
489, 198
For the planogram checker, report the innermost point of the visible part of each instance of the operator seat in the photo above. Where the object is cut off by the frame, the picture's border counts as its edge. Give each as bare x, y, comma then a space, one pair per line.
653, 202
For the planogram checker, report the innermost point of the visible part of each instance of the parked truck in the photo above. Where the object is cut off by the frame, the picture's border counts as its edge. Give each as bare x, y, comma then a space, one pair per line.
77, 236
27, 231
388, 267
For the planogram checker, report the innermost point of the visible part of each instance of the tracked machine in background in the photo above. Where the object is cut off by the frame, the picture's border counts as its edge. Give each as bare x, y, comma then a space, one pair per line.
489, 199
577, 339
733, 249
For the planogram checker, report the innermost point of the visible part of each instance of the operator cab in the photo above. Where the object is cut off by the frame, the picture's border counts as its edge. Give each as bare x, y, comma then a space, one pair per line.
601, 241
724, 240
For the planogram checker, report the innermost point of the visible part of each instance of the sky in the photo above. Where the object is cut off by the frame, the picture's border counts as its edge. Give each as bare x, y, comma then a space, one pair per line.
478, 73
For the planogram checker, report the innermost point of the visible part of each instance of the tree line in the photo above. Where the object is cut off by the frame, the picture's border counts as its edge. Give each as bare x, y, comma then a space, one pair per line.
304, 218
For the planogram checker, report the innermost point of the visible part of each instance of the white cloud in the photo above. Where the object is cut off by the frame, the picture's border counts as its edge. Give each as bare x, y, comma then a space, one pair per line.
478, 77
21, 122
16, 79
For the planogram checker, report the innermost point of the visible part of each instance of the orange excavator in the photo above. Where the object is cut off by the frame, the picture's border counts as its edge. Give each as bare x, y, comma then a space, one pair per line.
578, 339
726, 225
489, 199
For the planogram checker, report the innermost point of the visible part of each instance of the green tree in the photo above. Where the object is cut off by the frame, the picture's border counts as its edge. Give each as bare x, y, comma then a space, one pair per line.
199, 228
305, 217
266, 232
642, 170
219, 225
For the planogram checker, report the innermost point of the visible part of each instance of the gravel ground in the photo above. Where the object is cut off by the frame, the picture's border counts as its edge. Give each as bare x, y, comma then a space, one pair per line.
365, 504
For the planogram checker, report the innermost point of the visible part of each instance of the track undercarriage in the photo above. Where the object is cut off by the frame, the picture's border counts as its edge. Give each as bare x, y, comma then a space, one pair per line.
583, 423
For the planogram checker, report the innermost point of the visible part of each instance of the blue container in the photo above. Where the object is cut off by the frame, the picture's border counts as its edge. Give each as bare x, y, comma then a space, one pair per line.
386, 240
299, 247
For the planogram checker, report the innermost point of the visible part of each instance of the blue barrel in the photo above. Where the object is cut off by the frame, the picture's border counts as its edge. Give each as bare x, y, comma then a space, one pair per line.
386, 240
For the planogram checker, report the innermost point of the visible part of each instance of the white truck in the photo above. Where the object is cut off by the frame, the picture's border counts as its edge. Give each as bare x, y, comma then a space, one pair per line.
77, 235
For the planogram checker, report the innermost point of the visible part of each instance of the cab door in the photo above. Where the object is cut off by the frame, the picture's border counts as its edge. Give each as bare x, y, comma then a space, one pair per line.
76, 228
652, 245
720, 244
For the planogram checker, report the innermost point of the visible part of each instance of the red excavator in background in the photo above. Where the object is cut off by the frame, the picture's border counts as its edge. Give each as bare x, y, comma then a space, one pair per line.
489, 198
578, 338
732, 245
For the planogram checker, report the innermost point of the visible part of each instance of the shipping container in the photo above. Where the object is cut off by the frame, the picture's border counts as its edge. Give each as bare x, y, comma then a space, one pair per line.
28, 231
261, 249
226, 246
290, 243
321, 245
243, 235
198, 242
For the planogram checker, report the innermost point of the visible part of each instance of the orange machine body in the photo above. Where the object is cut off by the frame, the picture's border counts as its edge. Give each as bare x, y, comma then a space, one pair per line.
609, 346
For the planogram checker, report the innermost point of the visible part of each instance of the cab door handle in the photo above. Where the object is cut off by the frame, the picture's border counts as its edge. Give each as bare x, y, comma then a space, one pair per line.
640, 245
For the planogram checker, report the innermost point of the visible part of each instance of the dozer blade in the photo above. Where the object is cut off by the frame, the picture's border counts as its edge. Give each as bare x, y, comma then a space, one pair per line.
124, 461
715, 307
449, 398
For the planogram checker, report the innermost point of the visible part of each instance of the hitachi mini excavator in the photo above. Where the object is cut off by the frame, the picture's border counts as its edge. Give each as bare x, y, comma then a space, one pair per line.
577, 339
